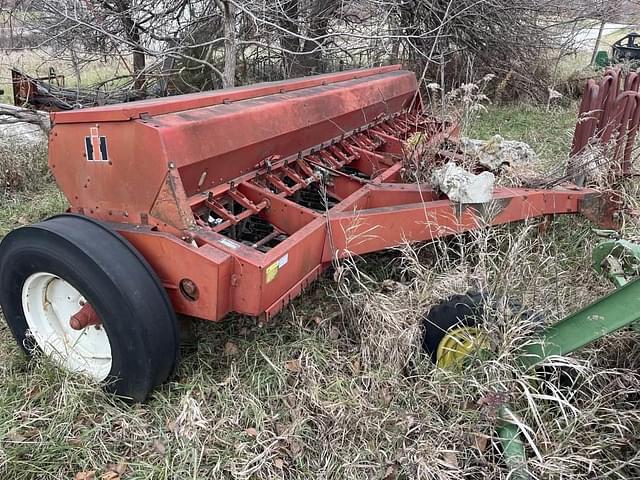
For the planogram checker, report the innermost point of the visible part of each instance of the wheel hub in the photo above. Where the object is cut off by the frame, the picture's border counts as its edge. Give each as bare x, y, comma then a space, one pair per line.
85, 317
65, 326
457, 345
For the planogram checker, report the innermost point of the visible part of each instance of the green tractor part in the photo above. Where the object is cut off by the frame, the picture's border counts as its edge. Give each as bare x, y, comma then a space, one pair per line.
602, 59
620, 261
616, 258
617, 310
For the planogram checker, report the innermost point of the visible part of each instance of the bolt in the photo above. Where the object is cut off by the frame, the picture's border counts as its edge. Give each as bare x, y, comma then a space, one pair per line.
189, 289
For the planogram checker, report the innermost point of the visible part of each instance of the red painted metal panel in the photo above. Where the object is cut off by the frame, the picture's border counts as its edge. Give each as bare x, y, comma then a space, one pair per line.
173, 260
160, 106
220, 142
371, 229
229, 140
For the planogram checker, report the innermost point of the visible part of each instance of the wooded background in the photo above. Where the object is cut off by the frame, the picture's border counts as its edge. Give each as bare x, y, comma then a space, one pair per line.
178, 46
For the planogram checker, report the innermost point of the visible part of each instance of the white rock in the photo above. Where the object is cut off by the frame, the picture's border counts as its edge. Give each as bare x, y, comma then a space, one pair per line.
15, 131
462, 186
497, 152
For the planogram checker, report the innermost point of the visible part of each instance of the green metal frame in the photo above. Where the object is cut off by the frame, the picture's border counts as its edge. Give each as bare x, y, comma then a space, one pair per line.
617, 310
620, 261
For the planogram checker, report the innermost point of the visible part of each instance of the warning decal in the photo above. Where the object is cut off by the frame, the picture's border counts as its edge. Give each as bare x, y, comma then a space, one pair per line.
272, 272
283, 261
96, 147
273, 269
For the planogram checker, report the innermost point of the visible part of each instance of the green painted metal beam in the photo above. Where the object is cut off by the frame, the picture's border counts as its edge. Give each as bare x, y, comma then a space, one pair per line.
619, 260
619, 309
513, 449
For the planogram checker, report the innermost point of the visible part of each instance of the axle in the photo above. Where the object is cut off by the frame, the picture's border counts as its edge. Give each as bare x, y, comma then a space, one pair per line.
85, 317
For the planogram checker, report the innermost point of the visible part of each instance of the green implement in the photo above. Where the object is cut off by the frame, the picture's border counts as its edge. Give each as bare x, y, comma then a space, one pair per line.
620, 261
619, 309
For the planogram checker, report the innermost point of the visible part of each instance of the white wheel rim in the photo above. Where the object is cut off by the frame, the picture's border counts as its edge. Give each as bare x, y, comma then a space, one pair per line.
49, 302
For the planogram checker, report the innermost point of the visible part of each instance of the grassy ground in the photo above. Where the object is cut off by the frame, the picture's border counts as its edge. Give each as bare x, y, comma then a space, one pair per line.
334, 387
548, 132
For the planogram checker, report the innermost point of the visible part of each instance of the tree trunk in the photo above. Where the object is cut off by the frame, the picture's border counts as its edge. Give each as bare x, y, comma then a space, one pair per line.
319, 15
139, 64
289, 41
132, 33
597, 45
311, 60
230, 44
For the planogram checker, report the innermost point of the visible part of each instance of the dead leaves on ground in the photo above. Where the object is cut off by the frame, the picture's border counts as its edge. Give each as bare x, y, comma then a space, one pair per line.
159, 447
230, 349
288, 445
88, 475
293, 365
113, 471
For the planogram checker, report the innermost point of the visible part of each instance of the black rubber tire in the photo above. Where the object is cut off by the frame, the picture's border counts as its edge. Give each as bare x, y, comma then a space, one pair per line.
114, 278
464, 310
458, 310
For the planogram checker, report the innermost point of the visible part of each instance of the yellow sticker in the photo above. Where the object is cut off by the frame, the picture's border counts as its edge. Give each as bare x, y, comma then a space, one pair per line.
272, 271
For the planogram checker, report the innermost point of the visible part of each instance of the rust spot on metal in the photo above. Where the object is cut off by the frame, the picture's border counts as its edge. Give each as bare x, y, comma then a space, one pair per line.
168, 205
602, 208
486, 212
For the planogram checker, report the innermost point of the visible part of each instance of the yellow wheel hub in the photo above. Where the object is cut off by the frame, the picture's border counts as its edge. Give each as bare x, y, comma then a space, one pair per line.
458, 344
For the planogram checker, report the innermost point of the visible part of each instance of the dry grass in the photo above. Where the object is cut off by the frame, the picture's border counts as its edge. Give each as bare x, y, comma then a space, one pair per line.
339, 390
585, 430
336, 386
23, 165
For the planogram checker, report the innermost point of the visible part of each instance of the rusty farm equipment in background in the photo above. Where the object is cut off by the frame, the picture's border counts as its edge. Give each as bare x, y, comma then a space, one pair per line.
608, 118
228, 201
36, 91
50, 94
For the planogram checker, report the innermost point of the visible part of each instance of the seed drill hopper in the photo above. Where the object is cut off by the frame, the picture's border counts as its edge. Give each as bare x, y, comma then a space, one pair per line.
229, 201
